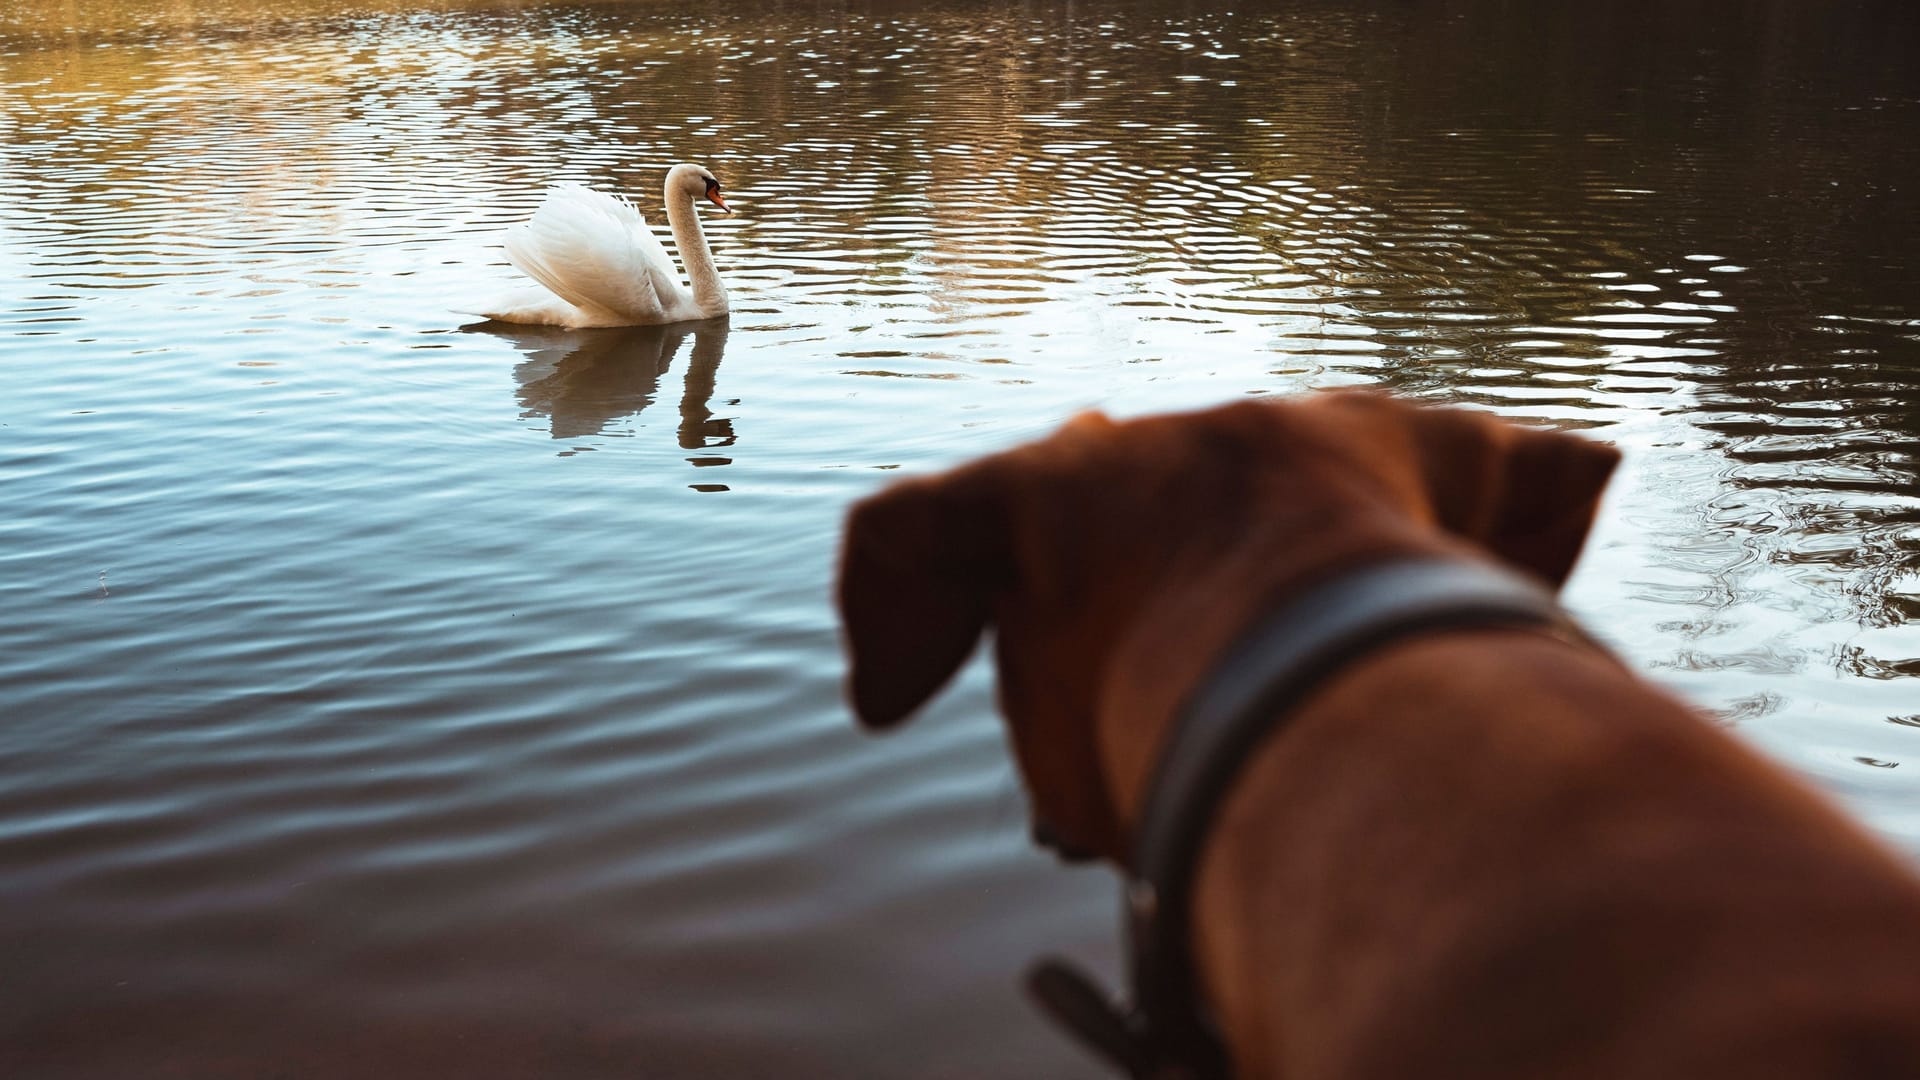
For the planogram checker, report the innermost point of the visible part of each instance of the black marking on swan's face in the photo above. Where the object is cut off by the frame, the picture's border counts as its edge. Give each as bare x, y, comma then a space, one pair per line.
713, 195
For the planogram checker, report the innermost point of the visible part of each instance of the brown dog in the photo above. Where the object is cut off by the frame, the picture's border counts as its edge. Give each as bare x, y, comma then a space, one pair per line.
1481, 853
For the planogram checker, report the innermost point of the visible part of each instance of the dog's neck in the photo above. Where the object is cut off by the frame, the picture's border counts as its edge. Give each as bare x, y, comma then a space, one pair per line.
1182, 631
1310, 953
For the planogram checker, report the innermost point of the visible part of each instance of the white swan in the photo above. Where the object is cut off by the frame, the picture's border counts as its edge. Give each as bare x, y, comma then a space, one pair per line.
602, 265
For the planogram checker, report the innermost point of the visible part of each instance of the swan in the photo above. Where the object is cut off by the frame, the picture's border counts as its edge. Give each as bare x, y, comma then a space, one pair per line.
602, 266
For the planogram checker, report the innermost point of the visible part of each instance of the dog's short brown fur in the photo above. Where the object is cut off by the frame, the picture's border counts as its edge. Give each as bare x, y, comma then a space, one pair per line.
1488, 853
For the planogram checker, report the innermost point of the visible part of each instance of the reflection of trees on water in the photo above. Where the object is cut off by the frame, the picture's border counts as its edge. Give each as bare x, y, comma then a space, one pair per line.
1717, 201
583, 380
1470, 200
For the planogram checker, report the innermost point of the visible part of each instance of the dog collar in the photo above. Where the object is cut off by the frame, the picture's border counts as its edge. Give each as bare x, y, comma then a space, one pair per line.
1268, 672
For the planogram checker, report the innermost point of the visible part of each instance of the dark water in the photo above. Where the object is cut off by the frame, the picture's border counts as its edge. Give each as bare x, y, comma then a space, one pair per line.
386, 697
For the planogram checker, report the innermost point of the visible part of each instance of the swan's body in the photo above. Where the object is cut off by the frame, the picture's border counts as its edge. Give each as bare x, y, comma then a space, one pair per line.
602, 266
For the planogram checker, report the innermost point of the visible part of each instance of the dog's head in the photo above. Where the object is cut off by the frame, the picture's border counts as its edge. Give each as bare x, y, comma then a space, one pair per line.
1066, 544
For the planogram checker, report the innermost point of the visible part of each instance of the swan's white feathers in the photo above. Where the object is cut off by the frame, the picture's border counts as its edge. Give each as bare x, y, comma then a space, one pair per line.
531, 304
601, 265
595, 252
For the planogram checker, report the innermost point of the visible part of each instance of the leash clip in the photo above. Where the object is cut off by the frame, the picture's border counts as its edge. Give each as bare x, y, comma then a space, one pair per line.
1092, 1015
1103, 1024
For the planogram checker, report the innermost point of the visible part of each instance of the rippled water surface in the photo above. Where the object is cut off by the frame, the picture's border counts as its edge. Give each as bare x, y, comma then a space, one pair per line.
387, 696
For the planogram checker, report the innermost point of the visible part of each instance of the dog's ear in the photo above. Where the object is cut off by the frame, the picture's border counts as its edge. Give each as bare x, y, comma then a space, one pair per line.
1528, 494
920, 565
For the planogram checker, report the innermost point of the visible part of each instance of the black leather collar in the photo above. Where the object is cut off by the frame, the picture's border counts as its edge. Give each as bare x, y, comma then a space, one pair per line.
1273, 666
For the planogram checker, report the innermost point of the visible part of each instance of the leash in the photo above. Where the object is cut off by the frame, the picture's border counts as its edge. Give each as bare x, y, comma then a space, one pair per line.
1270, 670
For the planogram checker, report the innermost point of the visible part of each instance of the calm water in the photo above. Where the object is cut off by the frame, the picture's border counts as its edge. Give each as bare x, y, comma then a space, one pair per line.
382, 696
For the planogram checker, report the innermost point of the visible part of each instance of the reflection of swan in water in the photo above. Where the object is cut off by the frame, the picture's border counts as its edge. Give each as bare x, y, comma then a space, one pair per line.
601, 265
585, 379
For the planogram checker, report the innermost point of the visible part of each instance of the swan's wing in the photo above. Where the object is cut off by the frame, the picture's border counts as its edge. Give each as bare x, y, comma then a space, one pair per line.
595, 252
666, 281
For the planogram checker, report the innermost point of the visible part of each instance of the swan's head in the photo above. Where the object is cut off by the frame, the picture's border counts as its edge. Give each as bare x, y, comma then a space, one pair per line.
695, 182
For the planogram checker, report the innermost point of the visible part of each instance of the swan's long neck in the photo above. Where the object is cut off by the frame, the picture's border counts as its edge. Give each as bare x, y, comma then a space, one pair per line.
708, 294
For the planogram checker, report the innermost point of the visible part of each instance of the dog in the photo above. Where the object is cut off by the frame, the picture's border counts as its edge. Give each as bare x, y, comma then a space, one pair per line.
1480, 849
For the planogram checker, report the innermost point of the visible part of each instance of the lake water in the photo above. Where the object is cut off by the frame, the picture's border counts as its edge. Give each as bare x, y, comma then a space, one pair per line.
386, 696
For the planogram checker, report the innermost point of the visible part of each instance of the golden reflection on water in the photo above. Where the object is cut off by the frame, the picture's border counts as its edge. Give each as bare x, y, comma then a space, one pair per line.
80, 18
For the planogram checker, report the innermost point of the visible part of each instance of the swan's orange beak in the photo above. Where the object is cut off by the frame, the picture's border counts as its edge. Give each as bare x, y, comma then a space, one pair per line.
713, 196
